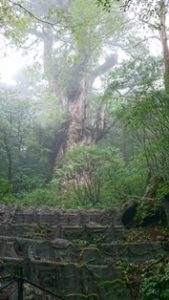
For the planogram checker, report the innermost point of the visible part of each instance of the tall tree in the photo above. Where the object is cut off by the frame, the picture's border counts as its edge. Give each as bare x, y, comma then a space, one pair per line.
75, 36
153, 14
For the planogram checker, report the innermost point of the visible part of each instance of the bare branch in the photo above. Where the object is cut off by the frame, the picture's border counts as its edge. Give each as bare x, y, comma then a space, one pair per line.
153, 26
31, 14
146, 39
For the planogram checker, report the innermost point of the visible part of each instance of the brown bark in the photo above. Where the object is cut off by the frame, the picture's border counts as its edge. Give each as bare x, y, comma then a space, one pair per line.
77, 113
77, 133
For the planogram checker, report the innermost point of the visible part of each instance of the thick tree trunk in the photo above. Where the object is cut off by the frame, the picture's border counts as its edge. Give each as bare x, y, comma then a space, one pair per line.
48, 63
57, 149
78, 132
72, 131
77, 118
73, 99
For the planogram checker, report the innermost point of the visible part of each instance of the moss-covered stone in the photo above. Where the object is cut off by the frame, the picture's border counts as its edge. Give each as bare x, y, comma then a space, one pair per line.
75, 254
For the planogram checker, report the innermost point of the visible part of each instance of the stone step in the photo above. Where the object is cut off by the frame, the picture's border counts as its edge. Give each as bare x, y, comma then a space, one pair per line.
9, 214
71, 280
76, 254
134, 251
92, 233
26, 231
60, 218
61, 250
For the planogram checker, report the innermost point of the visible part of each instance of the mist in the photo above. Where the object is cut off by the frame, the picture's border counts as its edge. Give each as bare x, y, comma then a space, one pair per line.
72, 78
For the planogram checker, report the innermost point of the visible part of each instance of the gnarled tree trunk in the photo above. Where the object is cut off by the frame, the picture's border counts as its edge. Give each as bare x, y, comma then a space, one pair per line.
77, 118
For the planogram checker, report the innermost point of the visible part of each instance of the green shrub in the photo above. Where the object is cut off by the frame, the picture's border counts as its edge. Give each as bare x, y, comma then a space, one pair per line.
5, 187
155, 285
92, 176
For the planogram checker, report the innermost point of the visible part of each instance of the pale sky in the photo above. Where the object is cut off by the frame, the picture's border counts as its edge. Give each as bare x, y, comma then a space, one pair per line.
10, 65
12, 61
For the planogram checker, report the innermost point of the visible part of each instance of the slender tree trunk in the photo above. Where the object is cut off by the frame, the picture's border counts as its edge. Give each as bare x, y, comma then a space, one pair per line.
152, 187
164, 43
9, 159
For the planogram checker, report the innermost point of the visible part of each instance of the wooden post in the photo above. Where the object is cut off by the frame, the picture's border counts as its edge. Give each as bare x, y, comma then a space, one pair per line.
20, 284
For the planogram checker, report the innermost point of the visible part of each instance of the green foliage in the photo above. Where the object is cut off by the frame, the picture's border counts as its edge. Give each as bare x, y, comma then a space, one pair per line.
155, 285
5, 187
163, 190
94, 176
149, 121
14, 23
24, 141
106, 4
38, 197
145, 210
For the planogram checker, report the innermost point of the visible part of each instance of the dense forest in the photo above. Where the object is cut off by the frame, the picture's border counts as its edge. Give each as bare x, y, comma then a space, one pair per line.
86, 122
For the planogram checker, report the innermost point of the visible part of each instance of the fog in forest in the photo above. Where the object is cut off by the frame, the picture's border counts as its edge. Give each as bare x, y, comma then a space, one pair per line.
84, 115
